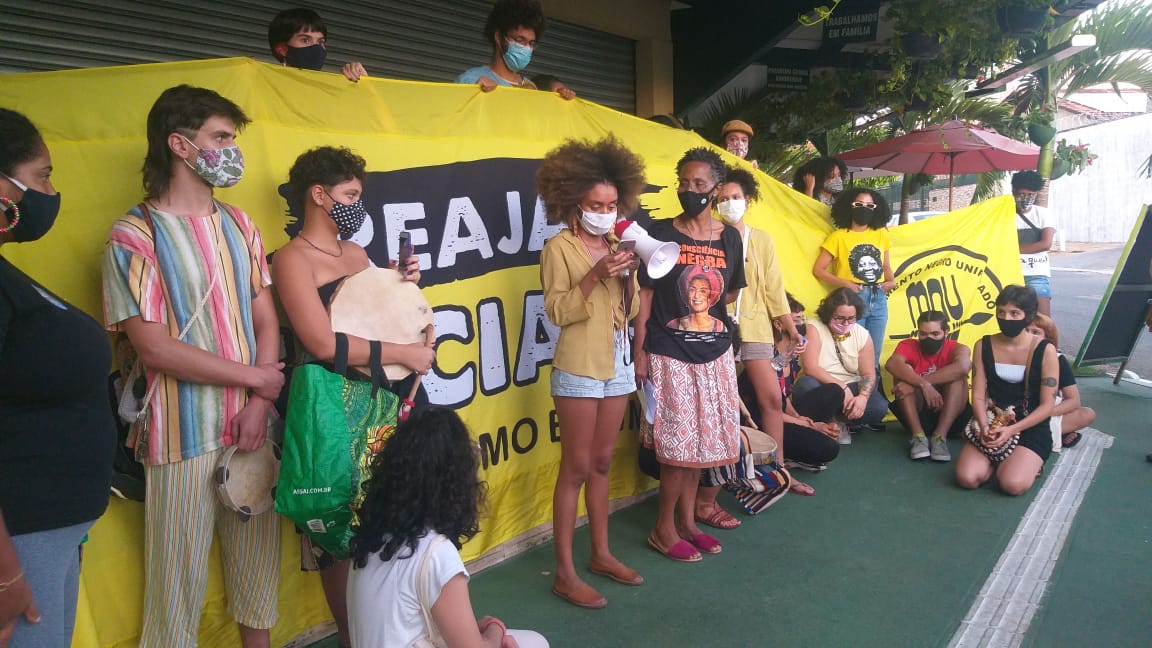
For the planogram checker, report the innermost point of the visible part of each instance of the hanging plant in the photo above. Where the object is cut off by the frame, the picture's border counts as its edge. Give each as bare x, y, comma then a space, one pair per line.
1040, 128
1075, 157
1022, 18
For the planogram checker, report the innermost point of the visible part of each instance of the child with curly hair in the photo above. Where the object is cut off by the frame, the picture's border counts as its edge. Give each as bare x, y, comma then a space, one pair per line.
407, 583
589, 292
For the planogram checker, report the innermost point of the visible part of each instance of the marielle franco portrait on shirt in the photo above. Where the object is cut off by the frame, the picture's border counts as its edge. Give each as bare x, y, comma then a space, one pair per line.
865, 263
700, 288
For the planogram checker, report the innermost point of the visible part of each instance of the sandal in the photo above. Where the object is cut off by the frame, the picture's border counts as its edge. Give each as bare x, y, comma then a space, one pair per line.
620, 574
681, 551
1075, 438
719, 519
705, 543
800, 488
584, 597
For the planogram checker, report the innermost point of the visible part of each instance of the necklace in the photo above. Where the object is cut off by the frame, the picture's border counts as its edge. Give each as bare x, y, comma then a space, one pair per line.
697, 242
320, 249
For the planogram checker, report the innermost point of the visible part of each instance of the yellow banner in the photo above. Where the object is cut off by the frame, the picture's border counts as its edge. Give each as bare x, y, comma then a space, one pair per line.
454, 167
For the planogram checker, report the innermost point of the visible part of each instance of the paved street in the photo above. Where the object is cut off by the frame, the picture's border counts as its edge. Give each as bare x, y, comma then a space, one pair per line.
1079, 278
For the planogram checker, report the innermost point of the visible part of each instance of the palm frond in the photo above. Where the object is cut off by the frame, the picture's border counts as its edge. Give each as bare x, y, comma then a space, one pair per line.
987, 185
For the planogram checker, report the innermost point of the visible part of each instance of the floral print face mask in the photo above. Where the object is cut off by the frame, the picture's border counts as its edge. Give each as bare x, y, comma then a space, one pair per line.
218, 167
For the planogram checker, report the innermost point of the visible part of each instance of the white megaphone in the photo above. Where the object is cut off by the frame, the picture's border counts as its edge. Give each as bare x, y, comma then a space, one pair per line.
659, 256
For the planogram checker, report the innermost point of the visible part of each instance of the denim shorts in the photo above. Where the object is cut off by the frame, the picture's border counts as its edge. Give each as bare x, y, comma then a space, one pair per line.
1040, 284
573, 386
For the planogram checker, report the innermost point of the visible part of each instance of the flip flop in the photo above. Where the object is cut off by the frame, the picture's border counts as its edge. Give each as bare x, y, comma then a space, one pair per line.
1076, 436
719, 519
681, 551
705, 543
800, 488
585, 597
623, 575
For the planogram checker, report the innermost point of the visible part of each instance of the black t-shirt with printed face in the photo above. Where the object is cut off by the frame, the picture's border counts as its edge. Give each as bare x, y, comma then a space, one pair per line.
688, 320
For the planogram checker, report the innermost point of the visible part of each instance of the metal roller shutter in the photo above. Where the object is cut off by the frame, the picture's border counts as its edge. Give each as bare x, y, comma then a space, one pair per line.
424, 40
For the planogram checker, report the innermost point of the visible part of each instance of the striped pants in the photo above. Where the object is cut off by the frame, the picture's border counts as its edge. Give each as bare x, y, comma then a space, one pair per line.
181, 511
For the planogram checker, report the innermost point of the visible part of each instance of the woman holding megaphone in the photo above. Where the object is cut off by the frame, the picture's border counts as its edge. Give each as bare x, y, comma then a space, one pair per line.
589, 291
688, 369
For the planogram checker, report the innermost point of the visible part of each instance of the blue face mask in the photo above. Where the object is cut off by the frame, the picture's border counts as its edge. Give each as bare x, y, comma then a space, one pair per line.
517, 56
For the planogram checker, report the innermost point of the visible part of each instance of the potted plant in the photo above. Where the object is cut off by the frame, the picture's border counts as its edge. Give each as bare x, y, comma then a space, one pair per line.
1075, 157
1040, 128
919, 45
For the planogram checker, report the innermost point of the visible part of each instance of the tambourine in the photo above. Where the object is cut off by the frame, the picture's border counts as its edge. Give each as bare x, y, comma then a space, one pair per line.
246, 481
377, 304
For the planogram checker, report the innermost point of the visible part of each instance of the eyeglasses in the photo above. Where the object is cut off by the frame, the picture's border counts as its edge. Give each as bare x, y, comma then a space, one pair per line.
851, 319
864, 205
520, 40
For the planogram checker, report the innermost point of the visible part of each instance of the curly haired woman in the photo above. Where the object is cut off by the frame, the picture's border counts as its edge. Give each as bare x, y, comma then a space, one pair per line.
589, 292
407, 583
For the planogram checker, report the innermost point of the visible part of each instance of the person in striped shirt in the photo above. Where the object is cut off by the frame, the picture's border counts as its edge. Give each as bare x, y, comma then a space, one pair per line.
185, 277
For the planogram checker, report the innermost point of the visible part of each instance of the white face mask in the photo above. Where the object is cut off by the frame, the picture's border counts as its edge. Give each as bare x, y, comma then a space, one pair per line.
732, 210
597, 224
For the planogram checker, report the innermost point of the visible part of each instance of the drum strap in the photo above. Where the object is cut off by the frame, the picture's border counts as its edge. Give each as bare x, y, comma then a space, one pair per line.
375, 358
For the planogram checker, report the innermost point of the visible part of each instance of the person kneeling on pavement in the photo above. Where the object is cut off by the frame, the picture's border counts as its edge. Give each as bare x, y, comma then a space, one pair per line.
930, 386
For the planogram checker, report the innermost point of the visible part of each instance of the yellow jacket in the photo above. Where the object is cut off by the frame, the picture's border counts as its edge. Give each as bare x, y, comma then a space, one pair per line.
763, 298
587, 326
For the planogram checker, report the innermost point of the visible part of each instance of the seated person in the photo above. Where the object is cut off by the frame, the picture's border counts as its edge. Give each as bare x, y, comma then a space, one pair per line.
549, 83
511, 30
810, 429
840, 352
1069, 415
930, 386
421, 502
299, 38
1014, 383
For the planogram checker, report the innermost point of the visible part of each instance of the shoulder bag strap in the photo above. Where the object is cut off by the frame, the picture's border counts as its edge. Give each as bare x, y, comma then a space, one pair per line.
1030, 224
187, 325
422, 592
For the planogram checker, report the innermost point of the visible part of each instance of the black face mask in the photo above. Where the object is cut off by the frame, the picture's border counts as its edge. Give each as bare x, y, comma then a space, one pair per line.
693, 203
37, 214
802, 329
1012, 328
861, 215
307, 58
930, 346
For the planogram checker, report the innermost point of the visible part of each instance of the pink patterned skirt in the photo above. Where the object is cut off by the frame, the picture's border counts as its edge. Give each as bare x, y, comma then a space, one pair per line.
697, 412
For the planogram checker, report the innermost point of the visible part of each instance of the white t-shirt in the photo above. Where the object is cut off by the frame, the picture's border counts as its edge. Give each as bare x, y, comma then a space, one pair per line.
1036, 263
383, 600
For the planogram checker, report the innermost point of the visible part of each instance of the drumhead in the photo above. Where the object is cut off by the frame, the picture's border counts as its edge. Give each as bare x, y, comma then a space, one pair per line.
377, 304
246, 481
761, 446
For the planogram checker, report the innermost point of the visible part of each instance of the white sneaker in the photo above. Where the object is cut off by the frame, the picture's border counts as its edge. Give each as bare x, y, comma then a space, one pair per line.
919, 448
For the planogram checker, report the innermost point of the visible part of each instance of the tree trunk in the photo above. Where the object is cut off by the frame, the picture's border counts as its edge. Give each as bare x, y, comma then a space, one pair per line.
905, 193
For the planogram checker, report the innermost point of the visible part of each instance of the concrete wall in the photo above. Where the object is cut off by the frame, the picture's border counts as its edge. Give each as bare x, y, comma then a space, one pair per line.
649, 23
1101, 204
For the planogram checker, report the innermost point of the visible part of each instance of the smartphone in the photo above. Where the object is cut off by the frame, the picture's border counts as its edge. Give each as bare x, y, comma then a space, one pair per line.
403, 250
627, 245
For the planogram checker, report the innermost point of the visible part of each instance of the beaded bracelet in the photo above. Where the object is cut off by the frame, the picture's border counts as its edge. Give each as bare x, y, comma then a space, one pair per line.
6, 585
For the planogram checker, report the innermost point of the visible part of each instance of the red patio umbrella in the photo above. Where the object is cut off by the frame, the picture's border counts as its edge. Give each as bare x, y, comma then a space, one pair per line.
949, 148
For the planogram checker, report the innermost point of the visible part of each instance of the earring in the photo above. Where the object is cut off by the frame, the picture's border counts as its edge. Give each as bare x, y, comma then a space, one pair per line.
14, 209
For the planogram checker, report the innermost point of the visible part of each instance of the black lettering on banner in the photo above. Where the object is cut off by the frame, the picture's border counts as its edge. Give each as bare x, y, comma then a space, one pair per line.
492, 452
553, 426
965, 273
529, 424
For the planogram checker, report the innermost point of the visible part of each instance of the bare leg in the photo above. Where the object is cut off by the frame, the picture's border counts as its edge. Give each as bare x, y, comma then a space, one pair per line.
955, 396
335, 582
910, 410
675, 481
1080, 417
577, 418
973, 468
609, 415
254, 637
1017, 473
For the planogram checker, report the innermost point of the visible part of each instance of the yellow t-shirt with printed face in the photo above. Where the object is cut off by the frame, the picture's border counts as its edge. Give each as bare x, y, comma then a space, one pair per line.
858, 256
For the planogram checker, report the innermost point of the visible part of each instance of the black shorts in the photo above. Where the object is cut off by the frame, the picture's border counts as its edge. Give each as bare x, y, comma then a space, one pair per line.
1038, 439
